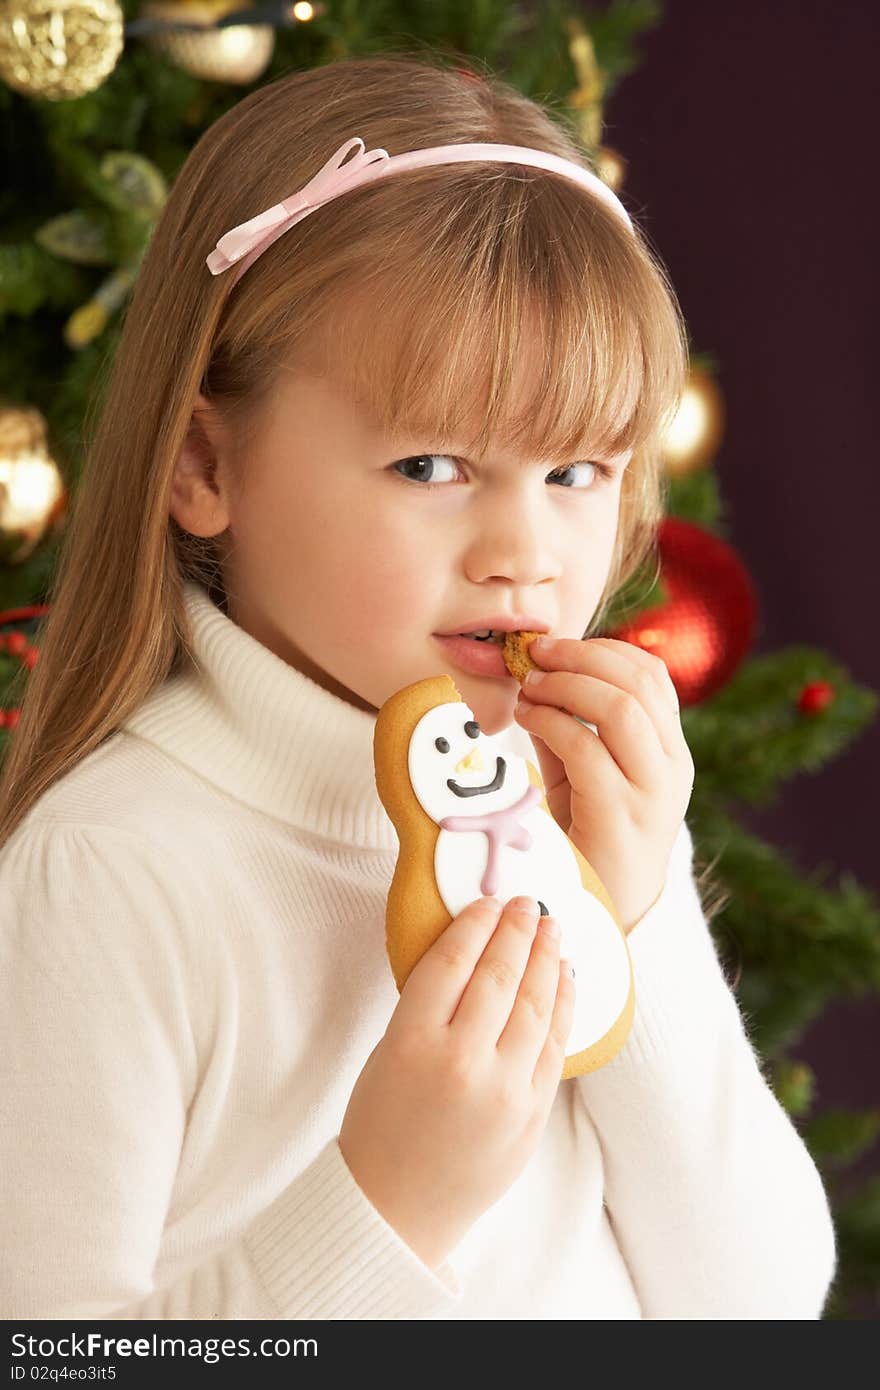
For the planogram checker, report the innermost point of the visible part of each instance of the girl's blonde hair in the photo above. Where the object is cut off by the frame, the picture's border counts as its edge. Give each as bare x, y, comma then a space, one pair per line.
415, 293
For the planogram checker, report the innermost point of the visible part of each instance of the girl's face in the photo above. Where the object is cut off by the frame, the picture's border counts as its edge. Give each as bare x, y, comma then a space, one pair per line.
346, 564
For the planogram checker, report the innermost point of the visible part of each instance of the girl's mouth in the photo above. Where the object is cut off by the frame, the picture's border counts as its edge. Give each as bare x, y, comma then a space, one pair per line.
482, 656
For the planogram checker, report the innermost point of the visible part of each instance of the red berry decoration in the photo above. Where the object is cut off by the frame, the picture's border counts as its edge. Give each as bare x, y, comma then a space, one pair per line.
17, 644
815, 697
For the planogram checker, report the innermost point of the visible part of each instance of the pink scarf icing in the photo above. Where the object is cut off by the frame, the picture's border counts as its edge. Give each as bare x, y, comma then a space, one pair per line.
502, 828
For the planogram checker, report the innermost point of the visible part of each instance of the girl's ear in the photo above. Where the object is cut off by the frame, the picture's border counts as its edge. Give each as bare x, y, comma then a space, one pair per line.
199, 494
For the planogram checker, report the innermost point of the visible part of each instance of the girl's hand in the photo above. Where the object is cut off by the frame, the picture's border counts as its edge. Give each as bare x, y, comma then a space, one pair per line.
620, 796
453, 1101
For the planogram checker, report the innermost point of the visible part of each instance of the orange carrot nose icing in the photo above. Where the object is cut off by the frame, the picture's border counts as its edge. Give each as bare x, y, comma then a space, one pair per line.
502, 828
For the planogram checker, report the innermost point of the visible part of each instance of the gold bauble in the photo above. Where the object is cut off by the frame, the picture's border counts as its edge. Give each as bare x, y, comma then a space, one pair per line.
59, 49
611, 167
238, 54
32, 493
693, 438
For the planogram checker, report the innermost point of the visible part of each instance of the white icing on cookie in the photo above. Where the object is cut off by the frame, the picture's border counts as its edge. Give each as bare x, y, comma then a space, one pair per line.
516, 849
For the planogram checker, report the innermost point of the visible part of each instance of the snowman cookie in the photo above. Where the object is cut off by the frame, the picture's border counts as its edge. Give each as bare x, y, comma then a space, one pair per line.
472, 820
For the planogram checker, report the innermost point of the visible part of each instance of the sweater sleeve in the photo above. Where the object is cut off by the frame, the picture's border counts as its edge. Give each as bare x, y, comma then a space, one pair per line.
98, 1066
717, 1205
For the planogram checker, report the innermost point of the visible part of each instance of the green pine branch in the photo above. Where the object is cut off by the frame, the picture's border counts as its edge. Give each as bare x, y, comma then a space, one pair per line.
791, 942
751, 736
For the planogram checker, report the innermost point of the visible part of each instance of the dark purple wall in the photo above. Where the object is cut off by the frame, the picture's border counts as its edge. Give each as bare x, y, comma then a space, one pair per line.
747, 129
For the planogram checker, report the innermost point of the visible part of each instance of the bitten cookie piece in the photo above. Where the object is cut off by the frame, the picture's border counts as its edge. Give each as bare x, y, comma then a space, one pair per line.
516, 653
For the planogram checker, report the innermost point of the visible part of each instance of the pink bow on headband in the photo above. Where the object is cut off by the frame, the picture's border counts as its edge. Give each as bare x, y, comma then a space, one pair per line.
245, 243
254, 236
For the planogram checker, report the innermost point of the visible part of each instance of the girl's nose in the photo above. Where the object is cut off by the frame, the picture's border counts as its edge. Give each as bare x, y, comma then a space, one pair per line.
512, 542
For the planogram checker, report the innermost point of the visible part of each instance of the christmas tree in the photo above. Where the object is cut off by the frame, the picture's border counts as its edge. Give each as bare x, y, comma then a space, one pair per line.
107, 108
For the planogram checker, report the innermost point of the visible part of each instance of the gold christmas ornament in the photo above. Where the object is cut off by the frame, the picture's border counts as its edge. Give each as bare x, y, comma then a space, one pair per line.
32, 493
238, 53
611, 167
694, 436
59, 49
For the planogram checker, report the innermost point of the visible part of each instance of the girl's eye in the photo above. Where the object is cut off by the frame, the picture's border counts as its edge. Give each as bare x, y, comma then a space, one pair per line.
420, 467
604, 470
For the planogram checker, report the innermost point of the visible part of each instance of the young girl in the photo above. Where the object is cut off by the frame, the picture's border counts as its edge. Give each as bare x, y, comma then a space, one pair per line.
426, 402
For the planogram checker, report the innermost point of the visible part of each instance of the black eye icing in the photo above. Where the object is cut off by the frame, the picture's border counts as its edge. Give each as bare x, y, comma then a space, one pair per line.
472, 728
442, 745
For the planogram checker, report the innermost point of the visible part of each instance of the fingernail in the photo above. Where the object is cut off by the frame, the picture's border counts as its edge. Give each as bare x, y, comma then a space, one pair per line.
524, 903
533, 677
540, 644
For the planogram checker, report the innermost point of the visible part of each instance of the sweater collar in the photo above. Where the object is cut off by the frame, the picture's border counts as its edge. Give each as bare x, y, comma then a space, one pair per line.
266, 733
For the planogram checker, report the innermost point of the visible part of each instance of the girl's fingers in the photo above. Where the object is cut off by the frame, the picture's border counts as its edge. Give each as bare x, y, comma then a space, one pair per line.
434, 987
627, 738
548, 1071
489, 996
654, 666
621, 664
525, 1033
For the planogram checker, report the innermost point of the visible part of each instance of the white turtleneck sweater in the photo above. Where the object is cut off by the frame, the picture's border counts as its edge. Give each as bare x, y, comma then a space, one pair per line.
193, 975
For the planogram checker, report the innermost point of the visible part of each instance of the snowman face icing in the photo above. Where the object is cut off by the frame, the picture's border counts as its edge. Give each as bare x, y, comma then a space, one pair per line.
457, 770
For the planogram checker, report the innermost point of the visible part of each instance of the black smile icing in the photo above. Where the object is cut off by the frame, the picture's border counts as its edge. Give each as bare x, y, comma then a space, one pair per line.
497, 781
472, 730
493, 786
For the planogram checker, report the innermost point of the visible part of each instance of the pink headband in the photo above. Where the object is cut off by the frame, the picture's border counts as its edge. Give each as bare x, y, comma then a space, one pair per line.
243, 244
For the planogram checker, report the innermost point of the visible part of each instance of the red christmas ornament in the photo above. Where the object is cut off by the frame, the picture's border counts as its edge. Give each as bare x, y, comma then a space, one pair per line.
815, 697
707, 624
